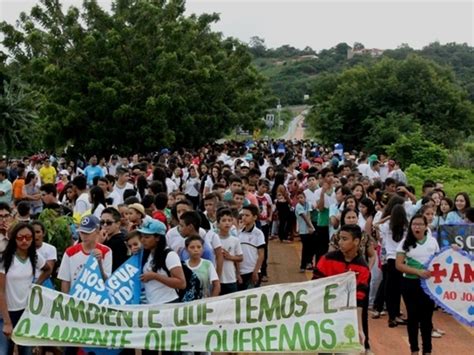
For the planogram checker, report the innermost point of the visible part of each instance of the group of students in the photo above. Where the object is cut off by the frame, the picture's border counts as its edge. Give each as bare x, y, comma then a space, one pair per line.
213, 211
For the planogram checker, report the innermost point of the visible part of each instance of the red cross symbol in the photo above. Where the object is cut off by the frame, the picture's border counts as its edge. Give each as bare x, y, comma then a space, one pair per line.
438, 273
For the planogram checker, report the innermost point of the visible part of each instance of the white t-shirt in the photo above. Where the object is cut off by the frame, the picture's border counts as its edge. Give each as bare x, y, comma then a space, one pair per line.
372, 174
175, 240
417, 257
75, 258
206, 273
232, 246
82, 204
155, 291
117, 193
388, 243
191, 186
211, 237
363, 167
250, 242
329, 199
98, 211
48, 252
171, 186
311, 197
18, 281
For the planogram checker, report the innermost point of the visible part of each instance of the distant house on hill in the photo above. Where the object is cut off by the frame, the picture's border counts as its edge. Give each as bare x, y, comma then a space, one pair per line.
373, 52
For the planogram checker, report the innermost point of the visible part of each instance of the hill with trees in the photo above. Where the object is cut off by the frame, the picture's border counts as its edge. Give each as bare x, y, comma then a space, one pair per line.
290, 71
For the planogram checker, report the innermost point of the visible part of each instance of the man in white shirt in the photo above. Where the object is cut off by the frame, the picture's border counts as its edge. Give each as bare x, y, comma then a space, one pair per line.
120, 186
373, 171
79, 185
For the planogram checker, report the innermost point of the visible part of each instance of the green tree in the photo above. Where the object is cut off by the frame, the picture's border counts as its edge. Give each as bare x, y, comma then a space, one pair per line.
139, 77
361, 101
18, 117
413, 148
349, 332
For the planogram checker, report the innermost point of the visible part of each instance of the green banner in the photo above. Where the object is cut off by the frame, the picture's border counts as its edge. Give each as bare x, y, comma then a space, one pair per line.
313, 316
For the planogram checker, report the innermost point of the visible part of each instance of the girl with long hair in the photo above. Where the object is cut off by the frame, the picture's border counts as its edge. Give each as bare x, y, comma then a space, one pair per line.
270, 176
97, 199
283, 207
358, 191
32, 193
391, 233
162, 271
210, 179
412, 253
445, 206
191, 186
461, 203
21, 267
366, 215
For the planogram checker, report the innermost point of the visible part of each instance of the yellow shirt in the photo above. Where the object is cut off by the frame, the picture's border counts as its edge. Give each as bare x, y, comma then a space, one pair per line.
48, 175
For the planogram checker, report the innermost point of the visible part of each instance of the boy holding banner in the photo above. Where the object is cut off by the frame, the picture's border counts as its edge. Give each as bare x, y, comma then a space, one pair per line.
76, 256
345, 259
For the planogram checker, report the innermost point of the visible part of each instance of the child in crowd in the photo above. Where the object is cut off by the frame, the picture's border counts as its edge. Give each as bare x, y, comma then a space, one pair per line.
305, 230
231, 250
253, 244
203, 268
133, 242
344, 259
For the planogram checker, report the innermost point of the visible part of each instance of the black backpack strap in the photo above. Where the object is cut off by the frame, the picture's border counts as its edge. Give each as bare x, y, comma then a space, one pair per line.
167, 251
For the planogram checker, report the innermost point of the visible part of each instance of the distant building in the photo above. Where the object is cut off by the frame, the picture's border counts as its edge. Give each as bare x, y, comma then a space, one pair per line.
373, 52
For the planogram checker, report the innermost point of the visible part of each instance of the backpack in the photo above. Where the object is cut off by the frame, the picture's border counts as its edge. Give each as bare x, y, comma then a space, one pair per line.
193, 290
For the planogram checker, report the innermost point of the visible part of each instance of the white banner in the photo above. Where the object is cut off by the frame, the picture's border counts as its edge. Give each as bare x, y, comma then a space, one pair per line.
309, 316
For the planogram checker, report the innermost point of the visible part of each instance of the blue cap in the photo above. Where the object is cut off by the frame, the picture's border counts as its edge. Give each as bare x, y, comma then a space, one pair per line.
88, 224
165, 151
152, 226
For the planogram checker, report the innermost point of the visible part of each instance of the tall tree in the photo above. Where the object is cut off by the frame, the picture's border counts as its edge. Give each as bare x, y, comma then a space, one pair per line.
137, 78
360, 103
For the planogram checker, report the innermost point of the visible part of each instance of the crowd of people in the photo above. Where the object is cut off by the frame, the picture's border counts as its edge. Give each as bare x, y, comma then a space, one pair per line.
213, 211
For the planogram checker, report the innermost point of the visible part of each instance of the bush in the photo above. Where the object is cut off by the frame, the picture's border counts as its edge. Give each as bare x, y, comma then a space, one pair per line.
463, 157
454, 180
414, 148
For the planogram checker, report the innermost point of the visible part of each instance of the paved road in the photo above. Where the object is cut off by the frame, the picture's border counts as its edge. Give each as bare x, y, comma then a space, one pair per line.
295, 128
459, 339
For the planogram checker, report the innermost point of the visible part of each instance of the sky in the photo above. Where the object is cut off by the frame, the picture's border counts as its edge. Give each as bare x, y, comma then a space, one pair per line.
323, 24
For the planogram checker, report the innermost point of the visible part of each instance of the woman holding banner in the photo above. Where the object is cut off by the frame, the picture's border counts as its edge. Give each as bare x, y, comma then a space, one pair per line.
412, 253
20, 266
163, 272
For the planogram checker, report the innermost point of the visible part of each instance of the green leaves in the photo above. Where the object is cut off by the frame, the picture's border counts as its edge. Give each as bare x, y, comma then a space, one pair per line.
370, 107
139, 78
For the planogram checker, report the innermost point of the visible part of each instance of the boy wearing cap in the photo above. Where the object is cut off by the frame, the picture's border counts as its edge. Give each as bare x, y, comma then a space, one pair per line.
76, 256
136, 215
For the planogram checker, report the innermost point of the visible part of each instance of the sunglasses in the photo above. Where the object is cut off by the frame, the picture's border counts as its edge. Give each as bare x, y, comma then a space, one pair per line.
107, 223
28, 238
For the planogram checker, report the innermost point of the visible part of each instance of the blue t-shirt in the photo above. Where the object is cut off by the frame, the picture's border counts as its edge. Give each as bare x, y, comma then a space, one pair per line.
91, 172
454, 217
207, 253
301, 210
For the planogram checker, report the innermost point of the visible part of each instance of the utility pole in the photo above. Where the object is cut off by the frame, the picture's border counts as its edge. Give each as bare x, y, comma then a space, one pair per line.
279, 110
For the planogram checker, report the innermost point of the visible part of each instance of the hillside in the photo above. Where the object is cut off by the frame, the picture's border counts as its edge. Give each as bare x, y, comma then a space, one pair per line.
290, 71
